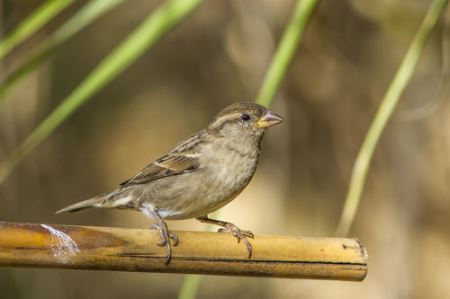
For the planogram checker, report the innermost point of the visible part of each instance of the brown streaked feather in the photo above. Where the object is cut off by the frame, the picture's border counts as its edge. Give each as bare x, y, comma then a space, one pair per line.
182, 159
189, 145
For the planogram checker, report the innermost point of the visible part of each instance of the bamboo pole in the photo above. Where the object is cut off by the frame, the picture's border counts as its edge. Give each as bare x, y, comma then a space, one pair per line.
107, 248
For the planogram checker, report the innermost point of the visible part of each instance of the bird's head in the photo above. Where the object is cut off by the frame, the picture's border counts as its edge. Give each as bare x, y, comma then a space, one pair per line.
245, 119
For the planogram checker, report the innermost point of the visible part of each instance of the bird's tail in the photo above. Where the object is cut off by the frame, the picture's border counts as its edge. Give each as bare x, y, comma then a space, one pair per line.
88, 203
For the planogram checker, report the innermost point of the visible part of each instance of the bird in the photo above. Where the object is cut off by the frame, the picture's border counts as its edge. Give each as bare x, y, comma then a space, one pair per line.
199, 175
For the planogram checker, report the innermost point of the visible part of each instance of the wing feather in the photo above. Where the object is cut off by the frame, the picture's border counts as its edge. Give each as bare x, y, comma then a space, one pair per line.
183, 158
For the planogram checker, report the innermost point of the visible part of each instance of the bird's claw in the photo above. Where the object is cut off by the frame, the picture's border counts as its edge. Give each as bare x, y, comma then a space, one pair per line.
240, 235
166, 235
174, 238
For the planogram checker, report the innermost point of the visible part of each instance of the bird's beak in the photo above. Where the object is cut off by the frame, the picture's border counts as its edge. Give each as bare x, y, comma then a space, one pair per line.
268, 120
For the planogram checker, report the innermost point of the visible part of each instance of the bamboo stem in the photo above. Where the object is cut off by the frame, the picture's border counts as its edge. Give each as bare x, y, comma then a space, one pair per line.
107, 248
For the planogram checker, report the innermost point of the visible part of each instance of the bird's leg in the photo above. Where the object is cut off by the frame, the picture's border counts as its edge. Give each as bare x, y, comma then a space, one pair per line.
166, 235
228, 227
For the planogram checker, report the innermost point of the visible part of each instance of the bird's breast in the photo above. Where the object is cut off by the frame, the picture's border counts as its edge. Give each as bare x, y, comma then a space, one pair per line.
230, 169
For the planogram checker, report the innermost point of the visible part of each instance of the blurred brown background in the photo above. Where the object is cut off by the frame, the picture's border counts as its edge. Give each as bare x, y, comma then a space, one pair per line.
219, 55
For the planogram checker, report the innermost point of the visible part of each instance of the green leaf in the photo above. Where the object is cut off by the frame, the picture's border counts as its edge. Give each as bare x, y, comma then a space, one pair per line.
286, 50
39, 18
387, 106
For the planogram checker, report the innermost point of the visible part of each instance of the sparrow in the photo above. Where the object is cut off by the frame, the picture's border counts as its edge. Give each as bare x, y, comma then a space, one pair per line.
200, 175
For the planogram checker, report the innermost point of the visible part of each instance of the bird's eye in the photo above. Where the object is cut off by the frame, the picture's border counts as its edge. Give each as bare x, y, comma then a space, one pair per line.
245, 117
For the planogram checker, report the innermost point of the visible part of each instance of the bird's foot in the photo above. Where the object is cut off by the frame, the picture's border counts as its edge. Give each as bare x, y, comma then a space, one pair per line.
240, 235
166, 235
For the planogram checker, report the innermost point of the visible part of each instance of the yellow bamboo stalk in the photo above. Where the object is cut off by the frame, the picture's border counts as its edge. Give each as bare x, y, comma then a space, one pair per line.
107, 248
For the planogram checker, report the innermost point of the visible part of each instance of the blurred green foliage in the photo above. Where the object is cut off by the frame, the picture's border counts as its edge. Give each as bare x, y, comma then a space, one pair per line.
34, 22
387, 106
85, 16
135, 45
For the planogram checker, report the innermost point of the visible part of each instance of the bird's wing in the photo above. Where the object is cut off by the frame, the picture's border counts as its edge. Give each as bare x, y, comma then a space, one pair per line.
182, 159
